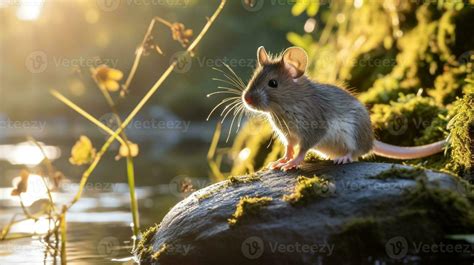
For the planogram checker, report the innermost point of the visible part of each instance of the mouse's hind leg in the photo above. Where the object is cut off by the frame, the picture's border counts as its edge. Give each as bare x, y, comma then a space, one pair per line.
343, 159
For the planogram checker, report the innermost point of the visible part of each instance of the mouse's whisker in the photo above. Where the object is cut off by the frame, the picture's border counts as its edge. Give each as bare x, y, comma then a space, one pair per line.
235, 75
221, 92
236, 111
275, 117
219, 104
230, 89
235, 86
287, 127
233, 80
241, 116
228, 105
228, 111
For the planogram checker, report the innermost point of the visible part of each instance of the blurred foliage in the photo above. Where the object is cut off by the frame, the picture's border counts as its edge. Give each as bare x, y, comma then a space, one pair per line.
410, 62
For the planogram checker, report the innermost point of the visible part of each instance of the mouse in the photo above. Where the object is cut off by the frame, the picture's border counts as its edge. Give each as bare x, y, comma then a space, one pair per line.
308, 115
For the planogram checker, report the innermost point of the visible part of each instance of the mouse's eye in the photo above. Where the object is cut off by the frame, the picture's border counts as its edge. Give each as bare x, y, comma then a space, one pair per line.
272, 83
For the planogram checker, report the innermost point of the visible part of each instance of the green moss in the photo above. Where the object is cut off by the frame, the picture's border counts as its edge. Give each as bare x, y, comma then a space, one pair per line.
404, 120
160, 252
244, 179
454, 210
307, 189
144, 247
400, 173
248, 206
460, 132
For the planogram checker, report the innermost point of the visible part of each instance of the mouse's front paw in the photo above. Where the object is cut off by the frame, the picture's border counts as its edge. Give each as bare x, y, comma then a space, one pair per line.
292, 164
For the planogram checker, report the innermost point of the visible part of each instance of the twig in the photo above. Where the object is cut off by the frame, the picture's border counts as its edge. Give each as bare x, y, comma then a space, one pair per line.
85, 114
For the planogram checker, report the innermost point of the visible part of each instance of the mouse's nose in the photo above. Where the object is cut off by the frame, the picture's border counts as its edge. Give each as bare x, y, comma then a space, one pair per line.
248, 98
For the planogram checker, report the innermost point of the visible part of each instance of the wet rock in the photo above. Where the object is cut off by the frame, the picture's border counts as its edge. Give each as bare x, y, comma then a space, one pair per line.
322, 214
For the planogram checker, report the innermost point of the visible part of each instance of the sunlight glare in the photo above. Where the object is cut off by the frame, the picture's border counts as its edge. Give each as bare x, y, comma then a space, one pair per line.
27, 153
244, 154
35, 191
358, 3
30, 9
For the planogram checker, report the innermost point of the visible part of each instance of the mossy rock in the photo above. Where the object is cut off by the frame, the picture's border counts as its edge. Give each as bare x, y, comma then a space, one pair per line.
365, 210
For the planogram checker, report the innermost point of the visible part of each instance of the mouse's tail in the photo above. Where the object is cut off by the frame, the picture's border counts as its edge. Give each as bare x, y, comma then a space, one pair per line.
402, 152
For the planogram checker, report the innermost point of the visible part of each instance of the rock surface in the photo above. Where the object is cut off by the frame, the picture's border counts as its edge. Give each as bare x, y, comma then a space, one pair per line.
365, 212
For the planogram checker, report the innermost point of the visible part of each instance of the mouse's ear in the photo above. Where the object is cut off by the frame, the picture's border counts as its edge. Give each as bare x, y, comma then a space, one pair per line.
295, 60
262, 56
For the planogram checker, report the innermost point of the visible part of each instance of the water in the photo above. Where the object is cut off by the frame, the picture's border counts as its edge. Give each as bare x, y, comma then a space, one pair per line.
98, 229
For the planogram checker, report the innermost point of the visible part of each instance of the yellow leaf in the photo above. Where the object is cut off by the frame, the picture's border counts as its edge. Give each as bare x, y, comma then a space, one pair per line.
299, 7
312, 8
107, 78
111, 85
115, 74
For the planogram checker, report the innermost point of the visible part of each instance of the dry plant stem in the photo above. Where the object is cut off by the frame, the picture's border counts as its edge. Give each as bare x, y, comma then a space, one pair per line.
213, 164
63, 227
49, 165
139, 51
85, 114
130, 165
140, 105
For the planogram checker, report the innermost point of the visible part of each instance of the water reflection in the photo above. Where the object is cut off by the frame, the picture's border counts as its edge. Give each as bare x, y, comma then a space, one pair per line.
27, 153
99, 229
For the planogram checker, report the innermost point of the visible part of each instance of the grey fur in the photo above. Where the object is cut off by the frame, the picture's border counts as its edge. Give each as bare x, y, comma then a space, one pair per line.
310, 114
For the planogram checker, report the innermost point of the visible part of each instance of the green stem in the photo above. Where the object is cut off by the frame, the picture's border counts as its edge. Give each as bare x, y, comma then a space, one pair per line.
133, 199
